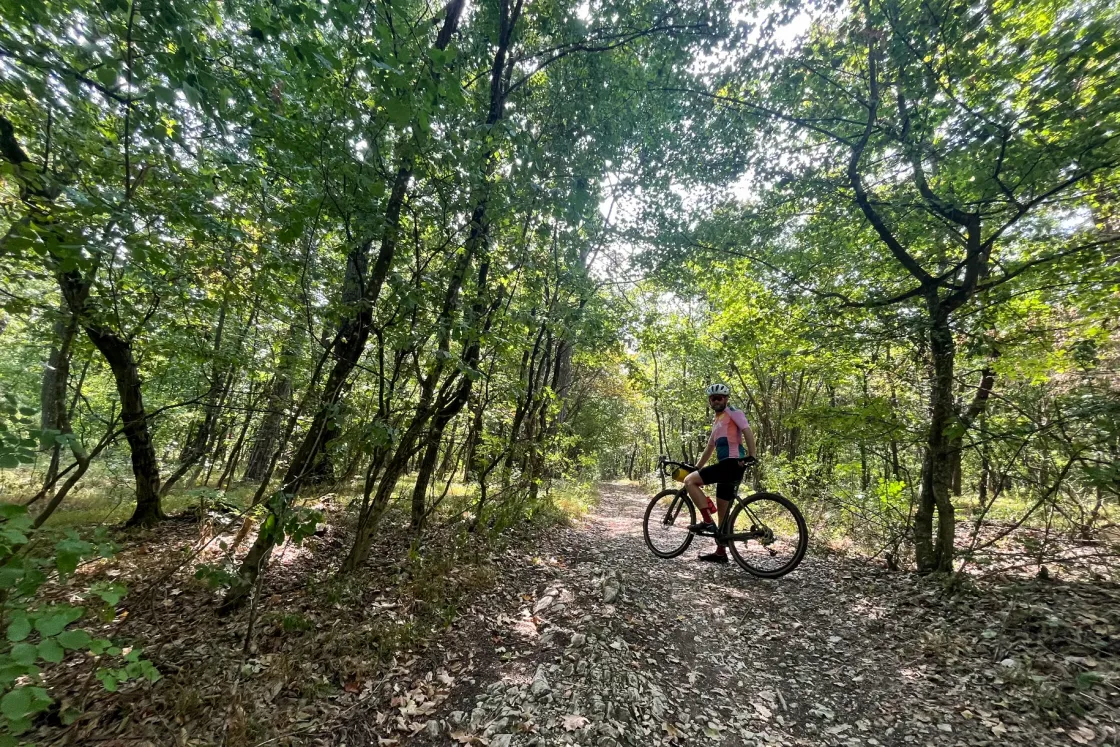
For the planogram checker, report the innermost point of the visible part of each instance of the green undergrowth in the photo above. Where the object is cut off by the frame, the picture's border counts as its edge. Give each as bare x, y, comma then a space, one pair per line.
316, 637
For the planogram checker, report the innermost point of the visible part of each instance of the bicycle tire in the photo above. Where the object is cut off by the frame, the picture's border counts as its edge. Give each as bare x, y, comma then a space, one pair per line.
687, 535
745, 560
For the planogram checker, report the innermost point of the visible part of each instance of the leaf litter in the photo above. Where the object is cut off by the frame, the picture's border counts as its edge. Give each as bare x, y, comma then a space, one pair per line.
841, 652
627, 650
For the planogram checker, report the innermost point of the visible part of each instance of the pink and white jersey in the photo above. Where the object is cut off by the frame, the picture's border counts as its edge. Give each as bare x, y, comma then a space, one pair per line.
727, 434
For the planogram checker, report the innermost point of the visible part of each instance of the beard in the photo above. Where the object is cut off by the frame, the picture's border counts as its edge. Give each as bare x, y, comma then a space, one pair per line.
720, 408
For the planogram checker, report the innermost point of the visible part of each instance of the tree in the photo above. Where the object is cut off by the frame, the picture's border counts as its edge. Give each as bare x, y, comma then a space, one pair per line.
938, 160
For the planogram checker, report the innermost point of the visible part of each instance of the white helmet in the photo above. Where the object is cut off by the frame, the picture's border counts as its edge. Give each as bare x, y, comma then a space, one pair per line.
716, 389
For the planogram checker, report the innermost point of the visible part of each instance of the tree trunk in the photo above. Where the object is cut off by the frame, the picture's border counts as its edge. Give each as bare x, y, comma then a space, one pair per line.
264, 440
394, 467
349, 345
427, 468
985, 476
56, 373
456, 389
958, 488
37, 195
145, 467
279, 399
937, 468
238, 446
474, 436
53, 414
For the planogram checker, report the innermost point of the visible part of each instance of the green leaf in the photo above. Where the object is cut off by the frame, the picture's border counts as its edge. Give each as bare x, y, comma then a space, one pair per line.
10, 671
1086, 680
106, 75
16, 704
98, 646
398, 113
111, 593
11, 511
49, 650
192, 94
108, 679
24, 653
19, 628
69, 552
75, 639
23, 702
54, 622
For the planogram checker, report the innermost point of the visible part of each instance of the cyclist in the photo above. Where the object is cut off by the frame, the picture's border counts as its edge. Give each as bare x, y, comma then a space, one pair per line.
733, 443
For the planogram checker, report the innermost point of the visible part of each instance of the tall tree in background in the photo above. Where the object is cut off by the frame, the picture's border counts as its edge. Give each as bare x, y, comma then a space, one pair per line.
942, 152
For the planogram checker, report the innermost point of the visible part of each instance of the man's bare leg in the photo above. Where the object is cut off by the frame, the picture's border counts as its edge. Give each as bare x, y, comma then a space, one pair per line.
723, 507
699, 498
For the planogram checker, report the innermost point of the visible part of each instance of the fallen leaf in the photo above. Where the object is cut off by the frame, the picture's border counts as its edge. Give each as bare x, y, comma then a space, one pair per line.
573, 722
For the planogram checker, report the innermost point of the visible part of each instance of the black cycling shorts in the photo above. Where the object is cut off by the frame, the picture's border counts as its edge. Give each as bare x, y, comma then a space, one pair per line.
725, 475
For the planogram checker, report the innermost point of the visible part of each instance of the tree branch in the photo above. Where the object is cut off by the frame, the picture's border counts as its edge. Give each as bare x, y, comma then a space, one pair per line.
862, 199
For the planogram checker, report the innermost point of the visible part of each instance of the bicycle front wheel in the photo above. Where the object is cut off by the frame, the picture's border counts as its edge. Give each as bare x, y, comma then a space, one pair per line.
768, 535
667, 519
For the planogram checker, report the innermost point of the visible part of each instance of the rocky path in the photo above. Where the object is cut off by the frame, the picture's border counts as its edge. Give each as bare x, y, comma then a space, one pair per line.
594, 641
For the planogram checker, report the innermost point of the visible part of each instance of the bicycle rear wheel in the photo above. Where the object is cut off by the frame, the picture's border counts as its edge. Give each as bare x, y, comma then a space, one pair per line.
768, 535
666, 523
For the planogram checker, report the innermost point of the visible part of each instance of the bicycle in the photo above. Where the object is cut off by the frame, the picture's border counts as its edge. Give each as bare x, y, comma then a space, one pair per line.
765, 531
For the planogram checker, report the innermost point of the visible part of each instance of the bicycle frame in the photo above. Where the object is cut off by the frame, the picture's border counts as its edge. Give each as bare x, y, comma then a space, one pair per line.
756, 517
682, 496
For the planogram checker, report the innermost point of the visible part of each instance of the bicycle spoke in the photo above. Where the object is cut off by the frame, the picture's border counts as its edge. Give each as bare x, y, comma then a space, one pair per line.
666, 524
768, 538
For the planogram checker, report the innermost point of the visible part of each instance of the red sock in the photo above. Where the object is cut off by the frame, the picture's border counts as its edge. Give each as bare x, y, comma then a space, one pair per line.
706, 514
721, 550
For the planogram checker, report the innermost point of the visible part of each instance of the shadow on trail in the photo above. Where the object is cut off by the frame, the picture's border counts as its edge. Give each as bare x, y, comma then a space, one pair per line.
597, 642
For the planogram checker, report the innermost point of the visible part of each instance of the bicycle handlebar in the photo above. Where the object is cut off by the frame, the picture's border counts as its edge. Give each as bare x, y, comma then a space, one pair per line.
666, 464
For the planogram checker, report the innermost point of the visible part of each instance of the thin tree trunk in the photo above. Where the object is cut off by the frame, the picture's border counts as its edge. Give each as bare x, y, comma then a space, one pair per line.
279, 399
455, 391
931, 554
348, 349
235, 456
198, 443
38, 195
53, 414
145, 467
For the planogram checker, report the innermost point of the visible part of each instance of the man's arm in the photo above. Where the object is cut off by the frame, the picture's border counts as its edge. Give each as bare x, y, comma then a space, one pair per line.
748, 439
706, 455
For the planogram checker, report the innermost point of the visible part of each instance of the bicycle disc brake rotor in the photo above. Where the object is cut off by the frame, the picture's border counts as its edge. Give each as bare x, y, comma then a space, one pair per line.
764, 534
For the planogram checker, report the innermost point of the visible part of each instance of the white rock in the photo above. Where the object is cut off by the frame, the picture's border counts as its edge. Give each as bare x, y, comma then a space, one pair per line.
540, 682
612, 587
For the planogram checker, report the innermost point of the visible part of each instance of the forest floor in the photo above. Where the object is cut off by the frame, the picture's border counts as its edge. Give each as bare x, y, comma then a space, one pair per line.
840, 652
576, 634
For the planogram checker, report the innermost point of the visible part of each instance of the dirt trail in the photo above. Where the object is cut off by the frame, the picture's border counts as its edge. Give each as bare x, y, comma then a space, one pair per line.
688, 653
